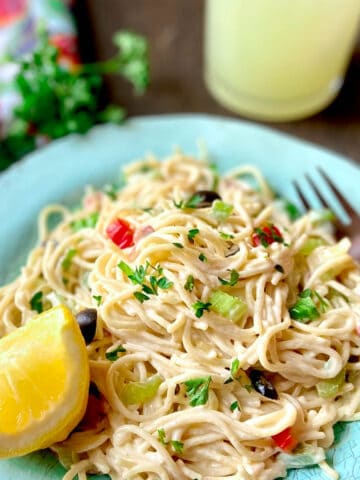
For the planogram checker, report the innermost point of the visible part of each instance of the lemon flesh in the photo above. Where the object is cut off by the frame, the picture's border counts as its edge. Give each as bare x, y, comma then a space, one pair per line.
44, 382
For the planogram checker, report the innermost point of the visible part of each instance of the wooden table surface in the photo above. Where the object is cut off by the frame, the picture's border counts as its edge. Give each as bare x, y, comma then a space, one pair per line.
174, 29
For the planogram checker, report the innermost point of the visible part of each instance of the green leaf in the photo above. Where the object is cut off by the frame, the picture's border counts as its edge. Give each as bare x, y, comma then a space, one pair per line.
112, 114
304, 310
141, 297
177, 446
234, 278
113, 354
234, 406
162, 436
67, 260
199, 308
197, 390
226, 236
98, 299
87, 222
192, 234
164, 283
36, 302
189, 284
178, 245
292, 211
202, 257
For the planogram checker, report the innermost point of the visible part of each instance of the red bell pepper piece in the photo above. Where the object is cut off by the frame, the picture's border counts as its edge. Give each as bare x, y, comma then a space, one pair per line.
266, 236
285, 440
121, 233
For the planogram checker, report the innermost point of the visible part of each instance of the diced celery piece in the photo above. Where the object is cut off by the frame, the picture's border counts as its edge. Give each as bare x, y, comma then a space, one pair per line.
221, 210
310, 245
228, 306
140, 392
330, 387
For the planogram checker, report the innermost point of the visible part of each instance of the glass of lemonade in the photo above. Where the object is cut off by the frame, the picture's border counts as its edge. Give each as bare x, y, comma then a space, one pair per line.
278, 60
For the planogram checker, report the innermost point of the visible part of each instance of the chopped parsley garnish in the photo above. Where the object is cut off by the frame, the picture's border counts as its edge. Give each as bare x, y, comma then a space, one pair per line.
292, 211
226, 236
162, 436
36, 302
193, 202
279, 268
189, 284
197, 390
235, 365
178, 245
234, 406
98, 299
192, 234
202, 257
305, 309
199, 308
113, 354
177, 446
149, 285
87, 222
234, 278
141, 297
66, 263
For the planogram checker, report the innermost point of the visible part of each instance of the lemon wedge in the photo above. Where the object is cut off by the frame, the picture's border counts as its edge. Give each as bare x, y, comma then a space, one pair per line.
44, 382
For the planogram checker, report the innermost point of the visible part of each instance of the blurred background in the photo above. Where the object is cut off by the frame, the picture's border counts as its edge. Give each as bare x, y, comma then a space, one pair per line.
175, 31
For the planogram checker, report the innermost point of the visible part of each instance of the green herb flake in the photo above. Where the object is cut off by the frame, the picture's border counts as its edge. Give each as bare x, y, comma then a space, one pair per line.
235, 406
193, 202
67, 260
87, 222
162, 436
235, 365
202, 257
98, 299
226, 236
189, 284
164, 283
192, 234
197, 390
178, 245
113, 354
305, 309
199, 308
36, 303
292, 211
141, 297
234, 278
177, 446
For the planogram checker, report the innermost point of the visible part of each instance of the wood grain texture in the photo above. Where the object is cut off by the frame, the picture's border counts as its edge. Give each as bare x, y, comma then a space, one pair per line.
174, 29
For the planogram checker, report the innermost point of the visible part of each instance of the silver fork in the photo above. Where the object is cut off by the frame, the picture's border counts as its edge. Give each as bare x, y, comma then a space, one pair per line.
352, 229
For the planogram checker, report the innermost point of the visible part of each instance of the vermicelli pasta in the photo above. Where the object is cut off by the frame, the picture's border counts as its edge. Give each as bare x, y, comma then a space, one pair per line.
220, 325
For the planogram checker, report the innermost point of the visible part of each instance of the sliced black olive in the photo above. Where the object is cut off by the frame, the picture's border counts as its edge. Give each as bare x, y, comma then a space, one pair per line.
262, 385
207, 198
232, 250
87, 322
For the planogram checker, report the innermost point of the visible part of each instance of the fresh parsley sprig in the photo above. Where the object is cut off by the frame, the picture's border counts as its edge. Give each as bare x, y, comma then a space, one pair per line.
197, 390
56, 101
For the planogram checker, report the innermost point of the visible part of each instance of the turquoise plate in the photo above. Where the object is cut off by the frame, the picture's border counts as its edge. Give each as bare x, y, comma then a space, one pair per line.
58, 172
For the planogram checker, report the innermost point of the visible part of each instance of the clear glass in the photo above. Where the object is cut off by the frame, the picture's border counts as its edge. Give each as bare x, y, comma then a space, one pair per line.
278, 60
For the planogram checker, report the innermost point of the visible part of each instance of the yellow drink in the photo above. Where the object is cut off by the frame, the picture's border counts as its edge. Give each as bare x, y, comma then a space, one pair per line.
278, 59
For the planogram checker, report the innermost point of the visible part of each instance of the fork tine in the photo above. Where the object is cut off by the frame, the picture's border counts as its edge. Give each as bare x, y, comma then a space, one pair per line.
301, 196
340, 197
317, 191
